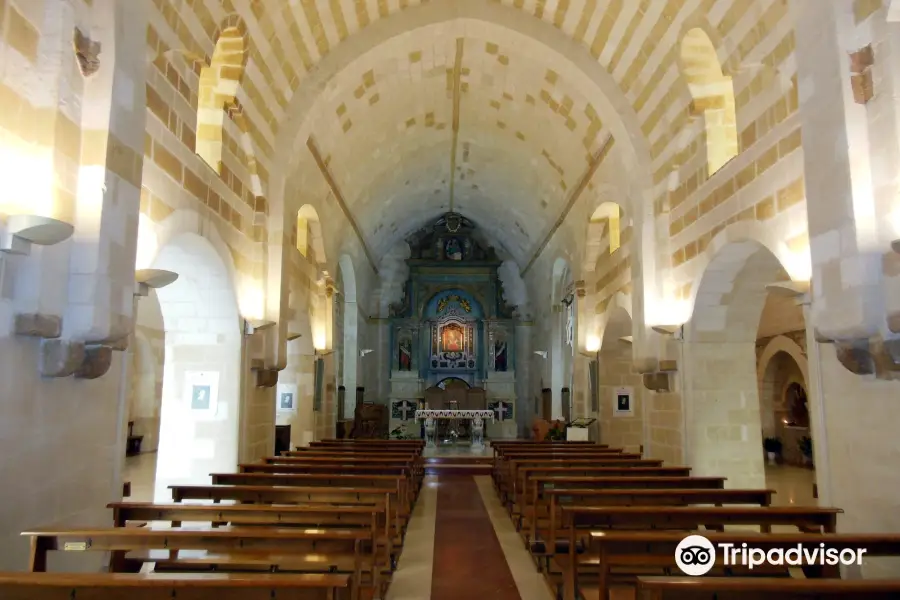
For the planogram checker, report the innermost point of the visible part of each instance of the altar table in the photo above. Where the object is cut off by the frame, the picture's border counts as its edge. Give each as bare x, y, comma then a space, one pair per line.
477, 417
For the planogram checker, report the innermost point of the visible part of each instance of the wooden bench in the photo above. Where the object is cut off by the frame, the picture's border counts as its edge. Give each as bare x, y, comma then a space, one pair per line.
371, 517
401, 485
619, 556
584, 526
504, 471
346, 551
547, 507
525, 489
165, 586
763, 588
354, 463
256, 494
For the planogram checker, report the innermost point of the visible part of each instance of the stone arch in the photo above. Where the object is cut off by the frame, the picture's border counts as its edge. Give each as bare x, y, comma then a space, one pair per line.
721, 394
750, 231
781, 343
618, 304
767, 380
201, 414
712, 94
182, 221
309, 233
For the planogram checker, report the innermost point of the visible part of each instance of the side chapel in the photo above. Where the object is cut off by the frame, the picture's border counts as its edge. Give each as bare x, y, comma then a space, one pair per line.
453, 334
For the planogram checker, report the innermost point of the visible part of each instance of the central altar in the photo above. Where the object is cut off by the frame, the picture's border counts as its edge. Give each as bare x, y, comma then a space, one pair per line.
477, 428
453, 333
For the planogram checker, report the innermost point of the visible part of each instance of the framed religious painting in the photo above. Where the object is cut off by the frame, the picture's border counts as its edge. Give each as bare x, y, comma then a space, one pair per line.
623, 402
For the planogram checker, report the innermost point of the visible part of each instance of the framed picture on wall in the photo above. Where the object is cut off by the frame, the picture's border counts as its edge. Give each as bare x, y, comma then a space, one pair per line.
286, 398
202, 392
623, 402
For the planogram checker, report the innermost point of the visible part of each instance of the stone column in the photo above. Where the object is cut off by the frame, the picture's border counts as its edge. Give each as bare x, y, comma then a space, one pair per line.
816, 406
351, 355
846, 258
525, 393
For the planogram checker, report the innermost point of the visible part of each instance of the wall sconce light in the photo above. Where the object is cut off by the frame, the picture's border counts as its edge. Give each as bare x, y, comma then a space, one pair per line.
788, 289
321, 353
251, 326
22, 231
366, 351
895, 246
627, 339
541, 353
147, 279
293, 336
666, 329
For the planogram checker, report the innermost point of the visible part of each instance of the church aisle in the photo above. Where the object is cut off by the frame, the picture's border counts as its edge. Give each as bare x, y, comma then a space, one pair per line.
468, 558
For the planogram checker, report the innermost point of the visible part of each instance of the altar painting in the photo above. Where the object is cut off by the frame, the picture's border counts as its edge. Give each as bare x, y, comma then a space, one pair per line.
453, 345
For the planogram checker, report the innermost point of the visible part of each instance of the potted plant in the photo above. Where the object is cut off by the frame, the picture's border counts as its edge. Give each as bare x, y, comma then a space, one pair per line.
806, 449
557, 433
772, 446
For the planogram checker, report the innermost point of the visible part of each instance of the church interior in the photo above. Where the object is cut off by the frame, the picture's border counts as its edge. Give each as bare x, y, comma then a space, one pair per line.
428, 299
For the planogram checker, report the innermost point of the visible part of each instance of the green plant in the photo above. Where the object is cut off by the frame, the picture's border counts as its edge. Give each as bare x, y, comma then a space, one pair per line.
557, 433
805, 444
772, 444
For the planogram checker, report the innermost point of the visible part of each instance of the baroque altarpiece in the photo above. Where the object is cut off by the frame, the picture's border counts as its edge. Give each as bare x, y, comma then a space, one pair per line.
453, 331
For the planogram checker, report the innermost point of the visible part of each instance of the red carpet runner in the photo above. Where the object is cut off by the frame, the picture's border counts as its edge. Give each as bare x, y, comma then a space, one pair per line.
468, 560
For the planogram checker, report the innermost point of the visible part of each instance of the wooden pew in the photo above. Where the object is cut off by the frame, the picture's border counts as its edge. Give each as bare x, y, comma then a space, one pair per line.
402, 470
296, 495
764, 588
345, 551
548, 504
331, 461
585, 525
400, 485
620, 556
371, 517
505, 469
525, 490
160, 586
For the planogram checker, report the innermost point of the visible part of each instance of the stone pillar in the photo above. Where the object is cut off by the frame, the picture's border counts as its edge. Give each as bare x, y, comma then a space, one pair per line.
525, 393
816, 406
351, 354
846, 257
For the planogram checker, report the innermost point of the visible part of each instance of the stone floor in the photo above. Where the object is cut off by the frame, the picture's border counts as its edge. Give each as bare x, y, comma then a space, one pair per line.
460, 542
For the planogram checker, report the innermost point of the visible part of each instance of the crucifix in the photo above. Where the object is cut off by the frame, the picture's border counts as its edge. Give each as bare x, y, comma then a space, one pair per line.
406, 407
500, 409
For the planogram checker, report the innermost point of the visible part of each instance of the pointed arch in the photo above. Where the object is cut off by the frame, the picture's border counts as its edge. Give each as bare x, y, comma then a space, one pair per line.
712, 94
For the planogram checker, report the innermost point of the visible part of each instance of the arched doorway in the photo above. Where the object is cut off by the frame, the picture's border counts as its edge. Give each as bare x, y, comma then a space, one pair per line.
200, 414
723, 432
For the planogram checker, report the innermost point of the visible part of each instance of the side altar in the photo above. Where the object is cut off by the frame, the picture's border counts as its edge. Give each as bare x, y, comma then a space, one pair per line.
453, 335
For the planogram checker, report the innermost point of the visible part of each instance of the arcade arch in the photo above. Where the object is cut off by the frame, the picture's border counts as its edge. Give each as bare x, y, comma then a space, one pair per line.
723, 432
200, 413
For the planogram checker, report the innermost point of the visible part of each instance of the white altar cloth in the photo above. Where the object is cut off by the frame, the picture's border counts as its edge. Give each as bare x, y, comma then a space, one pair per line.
454, 414
476, 416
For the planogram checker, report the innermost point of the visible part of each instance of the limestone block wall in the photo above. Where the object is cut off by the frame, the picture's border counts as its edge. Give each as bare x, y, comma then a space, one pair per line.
617, 371
860, 413
665, 414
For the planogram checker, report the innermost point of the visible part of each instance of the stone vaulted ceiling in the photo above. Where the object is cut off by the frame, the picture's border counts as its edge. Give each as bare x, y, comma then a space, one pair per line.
448, 107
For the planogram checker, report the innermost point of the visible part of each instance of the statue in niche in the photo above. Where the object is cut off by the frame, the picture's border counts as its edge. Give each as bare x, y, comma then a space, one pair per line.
500, 356
453, 249
405, 355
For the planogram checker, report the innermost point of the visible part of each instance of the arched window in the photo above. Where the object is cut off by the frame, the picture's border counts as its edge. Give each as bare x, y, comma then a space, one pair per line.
218, 87
309, 233
612, 214
713, 97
